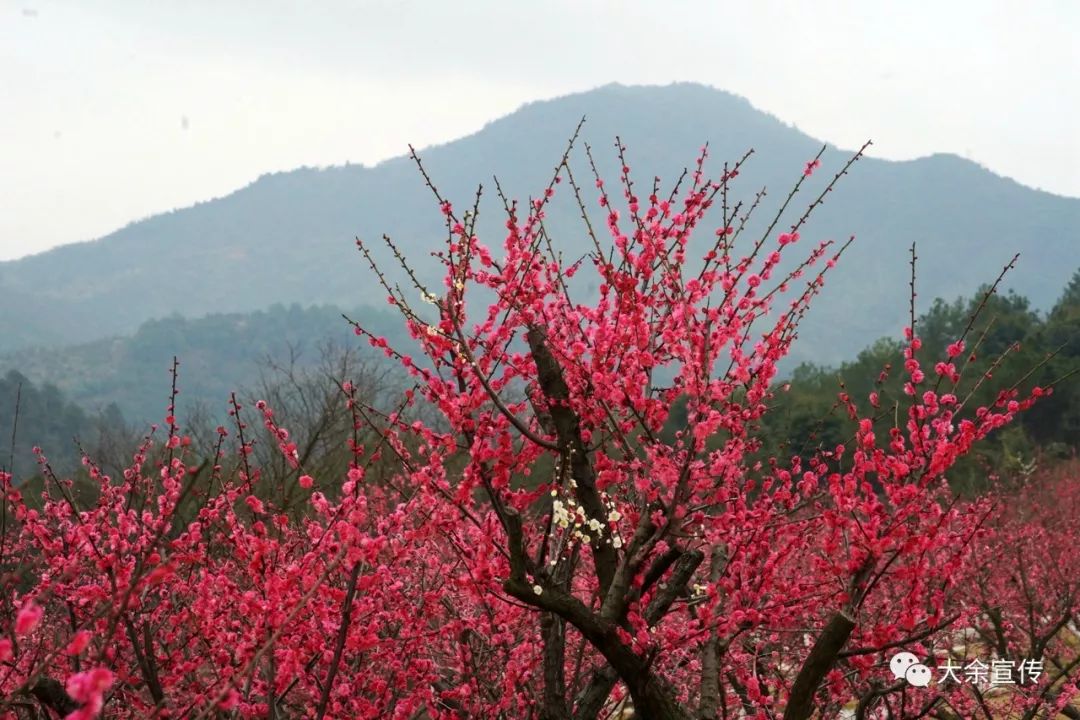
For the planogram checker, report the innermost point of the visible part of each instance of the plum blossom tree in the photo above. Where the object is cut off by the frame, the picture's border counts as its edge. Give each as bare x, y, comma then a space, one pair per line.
540, 549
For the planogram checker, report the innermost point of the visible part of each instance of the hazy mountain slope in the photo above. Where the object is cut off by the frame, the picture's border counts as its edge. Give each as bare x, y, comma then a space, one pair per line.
219, 353
46, 418
289, 237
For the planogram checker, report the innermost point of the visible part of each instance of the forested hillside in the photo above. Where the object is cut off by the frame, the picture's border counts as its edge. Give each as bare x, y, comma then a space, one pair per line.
218, 353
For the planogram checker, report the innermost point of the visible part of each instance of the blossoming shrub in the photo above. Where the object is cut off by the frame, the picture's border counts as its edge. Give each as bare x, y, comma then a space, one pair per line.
539, 550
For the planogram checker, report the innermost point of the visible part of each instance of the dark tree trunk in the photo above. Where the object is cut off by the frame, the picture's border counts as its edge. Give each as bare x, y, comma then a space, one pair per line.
553, 632
822, 658
51, 693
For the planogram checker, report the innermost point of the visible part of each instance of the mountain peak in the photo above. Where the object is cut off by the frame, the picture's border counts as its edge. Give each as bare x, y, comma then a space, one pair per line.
289, 237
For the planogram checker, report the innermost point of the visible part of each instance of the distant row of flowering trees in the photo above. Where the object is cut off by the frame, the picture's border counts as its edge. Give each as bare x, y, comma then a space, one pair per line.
515, 539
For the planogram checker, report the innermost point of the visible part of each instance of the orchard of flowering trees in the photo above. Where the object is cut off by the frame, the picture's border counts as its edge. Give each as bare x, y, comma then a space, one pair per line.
516, 535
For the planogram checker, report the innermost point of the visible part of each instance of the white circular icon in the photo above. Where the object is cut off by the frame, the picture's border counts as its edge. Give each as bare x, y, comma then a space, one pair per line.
900, 663
918, 675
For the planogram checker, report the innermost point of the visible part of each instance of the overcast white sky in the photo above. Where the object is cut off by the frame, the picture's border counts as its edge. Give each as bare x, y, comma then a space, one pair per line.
111, 111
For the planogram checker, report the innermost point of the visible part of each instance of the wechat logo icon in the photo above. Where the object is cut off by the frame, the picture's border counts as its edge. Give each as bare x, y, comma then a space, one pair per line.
906, 666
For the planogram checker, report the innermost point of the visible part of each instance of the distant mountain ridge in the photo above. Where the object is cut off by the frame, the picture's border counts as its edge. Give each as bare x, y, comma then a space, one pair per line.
288, 237
219, 353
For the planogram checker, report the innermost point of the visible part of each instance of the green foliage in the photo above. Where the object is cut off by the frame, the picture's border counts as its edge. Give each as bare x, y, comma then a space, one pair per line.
1057, 424
1007, 339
